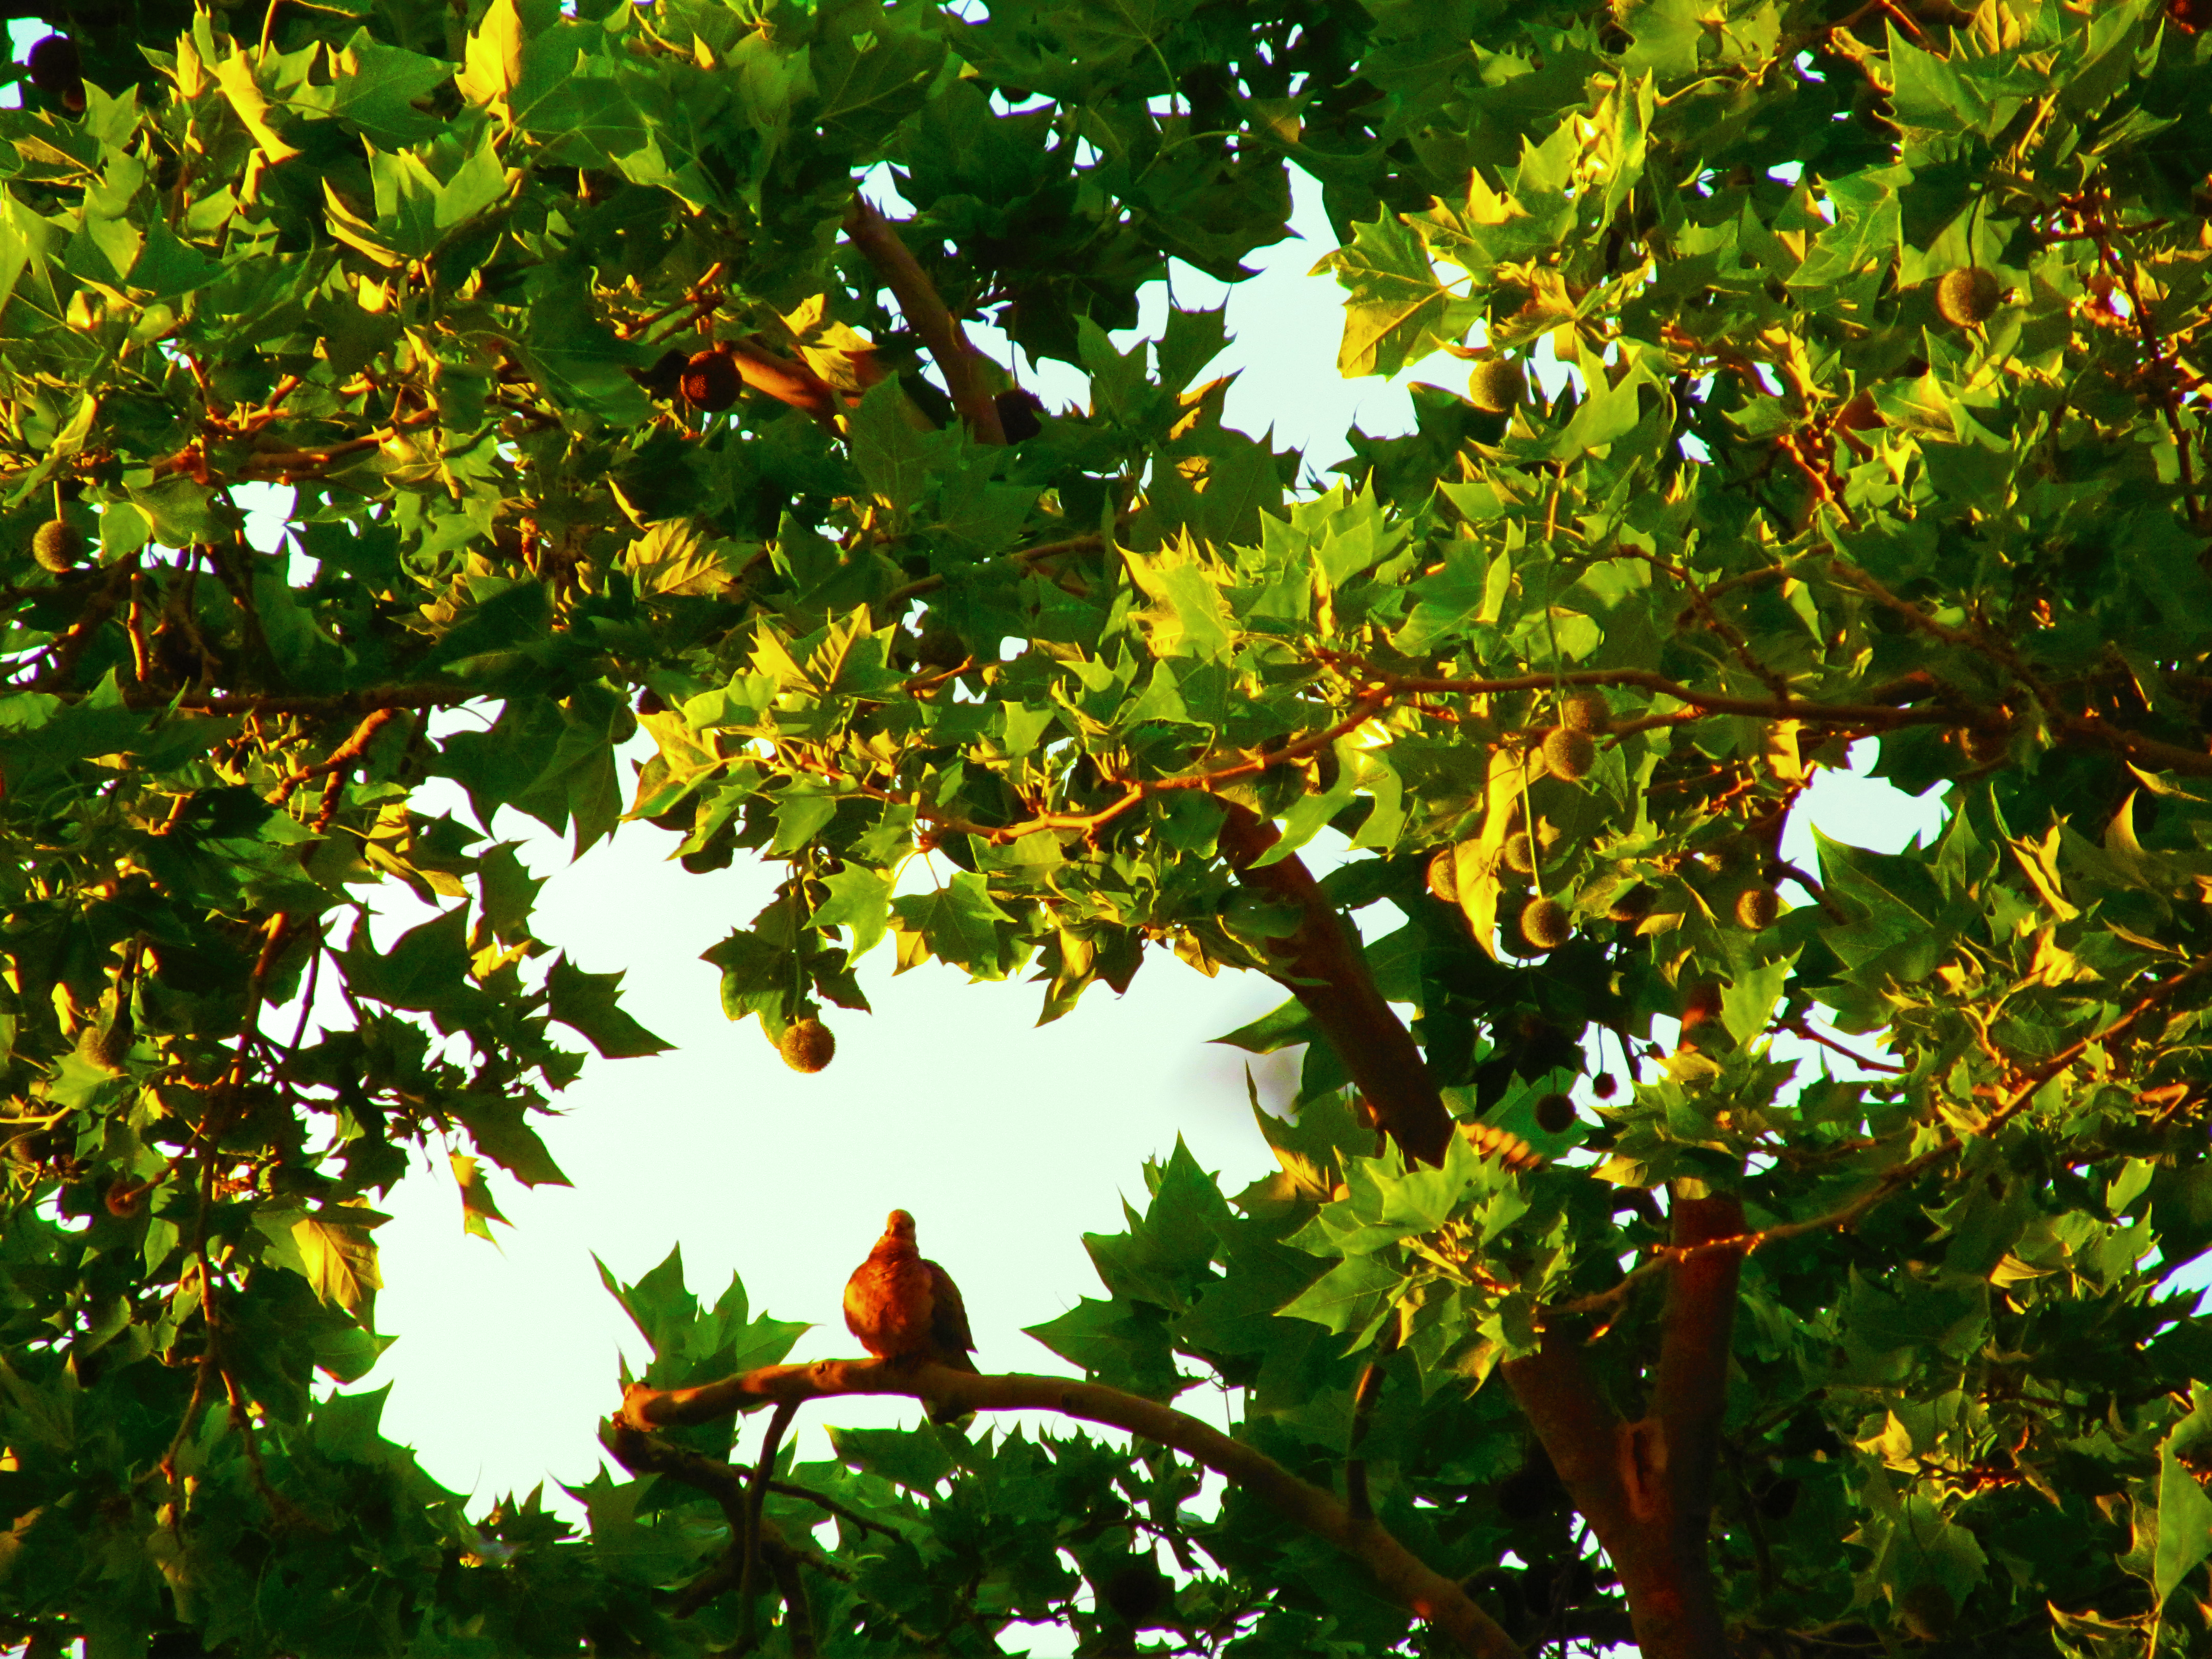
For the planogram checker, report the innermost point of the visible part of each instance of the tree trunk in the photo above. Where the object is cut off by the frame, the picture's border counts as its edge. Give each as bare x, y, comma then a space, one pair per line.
1646, 1486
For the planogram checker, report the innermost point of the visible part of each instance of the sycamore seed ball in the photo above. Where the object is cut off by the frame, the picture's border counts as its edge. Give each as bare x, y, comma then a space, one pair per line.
1570, 753
1545, 924
1443, 875
1756, 909
1555, 1114
112, 1047
1520, 854
807, 1046
1605, 1086
1497, 385
710, 381
1967, 297
56, 544
1586, 711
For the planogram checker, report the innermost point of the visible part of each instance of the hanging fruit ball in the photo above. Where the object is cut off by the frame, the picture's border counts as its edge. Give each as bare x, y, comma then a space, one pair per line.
1586, 711
1967, 297
1545, 924
57, 544
1605, 1086
57, 70
1444, 875
1756, 909
1555, 1114
1520, 854
1497, 385
1569, 753
807, 1045
711, 381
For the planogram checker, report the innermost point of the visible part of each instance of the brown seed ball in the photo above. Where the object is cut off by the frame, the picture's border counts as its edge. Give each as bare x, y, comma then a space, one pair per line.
1605, 1086
1967, 297
1545, 924
125, 1197
57, 70
112, 1047
1927, 1611
57, 544
1497, 385
1444, 875
808, 1045
1569, 753
711, 381
1520, 854
1555, 1114
1586, 711
1756, 909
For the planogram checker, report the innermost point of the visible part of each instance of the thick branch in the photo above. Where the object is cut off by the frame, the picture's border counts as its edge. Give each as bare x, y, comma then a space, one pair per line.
1646, 1486
1561, 1396
1401, 1575
1323, 966
1687, 1403
956, 360
786, 381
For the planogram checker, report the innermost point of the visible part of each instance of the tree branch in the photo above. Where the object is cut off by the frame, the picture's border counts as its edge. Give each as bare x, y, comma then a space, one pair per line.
1688, 1400
1323, 966
1646, 1486
958, 361
1401, 1575
786, 381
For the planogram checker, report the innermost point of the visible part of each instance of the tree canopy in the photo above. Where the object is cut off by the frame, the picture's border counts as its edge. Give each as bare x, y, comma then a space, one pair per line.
612, 360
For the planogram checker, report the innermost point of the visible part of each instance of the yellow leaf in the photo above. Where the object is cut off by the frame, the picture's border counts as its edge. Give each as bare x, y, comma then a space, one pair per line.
493, 61
2039, 859
235, 76
339, 1256
478, 1208
2012, 1270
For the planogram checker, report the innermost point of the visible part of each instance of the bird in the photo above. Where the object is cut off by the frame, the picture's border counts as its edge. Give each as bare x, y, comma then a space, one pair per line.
904, 1309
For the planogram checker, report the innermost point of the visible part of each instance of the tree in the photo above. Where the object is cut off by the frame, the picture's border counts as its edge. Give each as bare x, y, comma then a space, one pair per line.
613, 390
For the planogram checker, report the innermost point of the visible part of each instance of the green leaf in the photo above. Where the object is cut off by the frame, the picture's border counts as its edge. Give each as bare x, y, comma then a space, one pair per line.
1397, 310
587, 1001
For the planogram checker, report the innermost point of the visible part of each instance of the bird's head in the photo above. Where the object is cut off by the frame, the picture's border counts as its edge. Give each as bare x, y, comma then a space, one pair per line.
900, 1226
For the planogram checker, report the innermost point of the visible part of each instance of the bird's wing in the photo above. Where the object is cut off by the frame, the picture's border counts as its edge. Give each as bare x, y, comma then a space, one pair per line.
948, 1321
861, 1317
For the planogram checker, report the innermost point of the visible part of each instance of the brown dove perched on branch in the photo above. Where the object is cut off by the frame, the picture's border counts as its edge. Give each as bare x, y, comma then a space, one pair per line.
901, 1307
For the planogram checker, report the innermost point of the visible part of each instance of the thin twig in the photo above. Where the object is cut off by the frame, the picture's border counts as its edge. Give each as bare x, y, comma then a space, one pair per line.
1899, 1176
756, 1494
